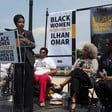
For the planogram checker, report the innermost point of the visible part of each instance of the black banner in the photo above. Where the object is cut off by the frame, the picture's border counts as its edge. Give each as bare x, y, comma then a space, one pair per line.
101, 26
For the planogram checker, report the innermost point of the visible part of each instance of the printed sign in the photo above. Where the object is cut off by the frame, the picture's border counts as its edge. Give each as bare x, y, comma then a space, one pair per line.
8, 47
101, 27
61, 36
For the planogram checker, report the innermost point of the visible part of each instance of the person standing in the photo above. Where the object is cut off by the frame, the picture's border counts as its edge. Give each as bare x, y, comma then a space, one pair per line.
23, 72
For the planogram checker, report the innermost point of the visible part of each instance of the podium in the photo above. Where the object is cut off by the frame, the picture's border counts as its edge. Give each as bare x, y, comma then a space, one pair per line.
10, 52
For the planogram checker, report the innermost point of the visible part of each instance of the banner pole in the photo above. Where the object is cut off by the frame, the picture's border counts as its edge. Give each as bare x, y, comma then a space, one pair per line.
47, 14
88, 8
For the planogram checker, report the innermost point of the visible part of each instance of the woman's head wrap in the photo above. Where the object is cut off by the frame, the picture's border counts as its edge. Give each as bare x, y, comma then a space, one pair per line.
17, 17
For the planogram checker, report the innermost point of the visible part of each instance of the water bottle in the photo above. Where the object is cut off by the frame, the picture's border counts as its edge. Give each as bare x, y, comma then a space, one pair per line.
63, 100
66, 100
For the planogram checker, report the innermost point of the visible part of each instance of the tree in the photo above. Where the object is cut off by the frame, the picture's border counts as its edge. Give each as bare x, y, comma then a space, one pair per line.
79, 53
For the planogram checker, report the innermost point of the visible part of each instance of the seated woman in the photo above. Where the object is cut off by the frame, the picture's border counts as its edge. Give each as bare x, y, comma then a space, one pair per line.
81, 71
103, 87
44, 69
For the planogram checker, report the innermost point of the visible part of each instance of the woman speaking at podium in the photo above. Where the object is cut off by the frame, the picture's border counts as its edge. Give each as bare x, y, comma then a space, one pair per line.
23, 77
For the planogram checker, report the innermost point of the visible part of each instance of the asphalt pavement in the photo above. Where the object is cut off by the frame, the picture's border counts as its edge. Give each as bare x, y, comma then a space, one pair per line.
7, 106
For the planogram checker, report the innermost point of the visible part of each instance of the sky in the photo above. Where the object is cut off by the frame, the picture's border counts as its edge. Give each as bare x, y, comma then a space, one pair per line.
9, 8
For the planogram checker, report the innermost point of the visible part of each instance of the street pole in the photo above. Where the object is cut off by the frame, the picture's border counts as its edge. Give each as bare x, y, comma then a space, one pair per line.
47, 14
30, 14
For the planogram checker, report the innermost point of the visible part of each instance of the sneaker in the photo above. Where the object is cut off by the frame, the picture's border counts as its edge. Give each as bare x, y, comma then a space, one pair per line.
42, 104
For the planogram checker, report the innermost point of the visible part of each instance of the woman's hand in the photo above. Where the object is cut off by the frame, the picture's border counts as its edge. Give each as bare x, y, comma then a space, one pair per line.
86, 70
57, 88
23, 40
52, 72
101, 75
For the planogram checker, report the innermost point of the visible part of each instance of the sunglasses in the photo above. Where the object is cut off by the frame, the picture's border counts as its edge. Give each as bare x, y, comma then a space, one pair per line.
108, 44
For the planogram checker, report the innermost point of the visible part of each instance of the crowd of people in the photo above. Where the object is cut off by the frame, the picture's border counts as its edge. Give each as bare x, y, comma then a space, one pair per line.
41, 70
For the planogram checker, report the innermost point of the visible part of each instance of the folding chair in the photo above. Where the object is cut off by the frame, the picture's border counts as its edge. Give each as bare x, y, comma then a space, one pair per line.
91, 98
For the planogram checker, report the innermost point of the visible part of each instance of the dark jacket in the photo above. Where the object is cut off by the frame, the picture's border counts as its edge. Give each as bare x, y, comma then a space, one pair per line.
27, 50
105, 63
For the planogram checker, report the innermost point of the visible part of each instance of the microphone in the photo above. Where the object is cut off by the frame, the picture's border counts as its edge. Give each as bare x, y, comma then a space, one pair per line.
7, 29
30, 42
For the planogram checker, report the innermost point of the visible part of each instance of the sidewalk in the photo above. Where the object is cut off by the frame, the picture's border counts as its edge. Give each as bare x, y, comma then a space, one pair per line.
6, 106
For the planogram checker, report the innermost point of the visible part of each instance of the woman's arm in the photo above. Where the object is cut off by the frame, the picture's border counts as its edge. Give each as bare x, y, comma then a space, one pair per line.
105, 77
101, 75
52, 72
108, 78
76, 64
28, 39
93, 68
66, 81
63, 83
86, 70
